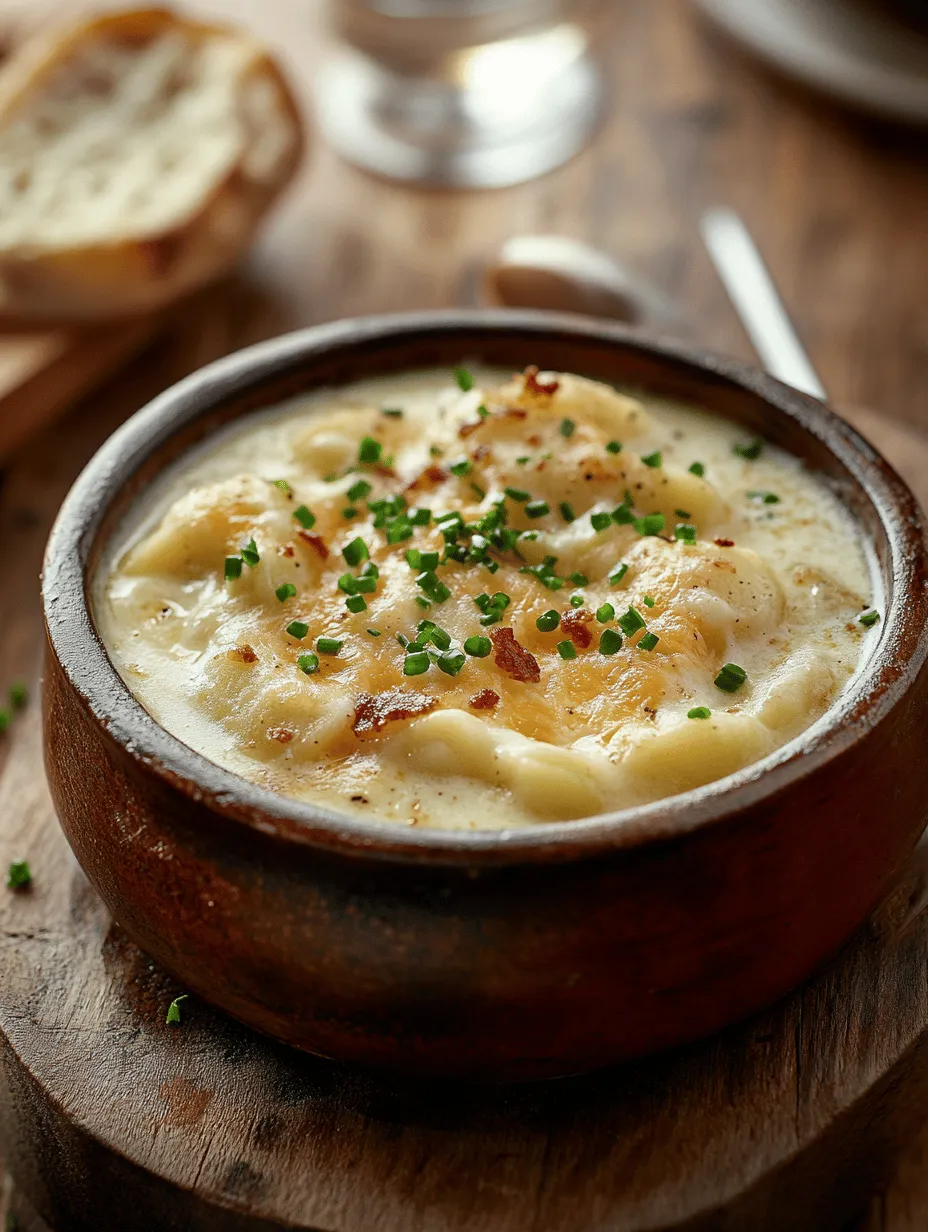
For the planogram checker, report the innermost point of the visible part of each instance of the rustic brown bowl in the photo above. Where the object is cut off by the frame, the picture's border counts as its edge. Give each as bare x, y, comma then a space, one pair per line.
498, 955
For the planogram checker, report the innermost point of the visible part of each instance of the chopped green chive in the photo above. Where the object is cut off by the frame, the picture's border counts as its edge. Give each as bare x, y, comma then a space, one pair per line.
869, 619
648, 601
683, 513
622, 515
422, 602
610, 642
548, 621
432, 587
614, 447
567, 427
392, 412
349, 513
579, 579
297, 629
285, 591
648, 642
566, 511
650, 524
483, 412
250, 554
233, 568
523, 461
537, 509
355, 551
416, 664
374, 632
631, 622
699, 712
767, 498
420, 517
451, 661
462, 467
305, 517
359, 490
576, 600
479, 492
751, 449
652, 459
369, 450
478, 647
465, 379
19, 695
698, 469
398, 530
283, 485
518, 494
19, 875
356, 603
567, 650
308, 663
685, 532
605, 613
617, 573
173, 1017
5, 720
328, 645
600, 521
731, 678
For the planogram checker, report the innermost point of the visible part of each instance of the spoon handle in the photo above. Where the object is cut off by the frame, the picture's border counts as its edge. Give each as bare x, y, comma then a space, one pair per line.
757, 302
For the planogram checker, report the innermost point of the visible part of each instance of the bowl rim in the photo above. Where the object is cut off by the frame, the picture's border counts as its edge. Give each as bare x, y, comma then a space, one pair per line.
879, 685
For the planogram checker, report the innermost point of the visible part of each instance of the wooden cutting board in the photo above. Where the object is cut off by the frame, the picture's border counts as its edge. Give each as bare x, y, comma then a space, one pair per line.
43, 373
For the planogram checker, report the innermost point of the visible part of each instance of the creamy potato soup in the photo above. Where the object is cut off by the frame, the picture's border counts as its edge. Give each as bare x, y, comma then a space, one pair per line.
474, 601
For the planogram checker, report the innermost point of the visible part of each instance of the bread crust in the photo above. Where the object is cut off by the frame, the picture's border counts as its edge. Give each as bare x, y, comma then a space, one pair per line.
135, 271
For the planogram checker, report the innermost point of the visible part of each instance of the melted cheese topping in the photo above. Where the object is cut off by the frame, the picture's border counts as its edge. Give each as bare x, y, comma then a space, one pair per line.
751, 562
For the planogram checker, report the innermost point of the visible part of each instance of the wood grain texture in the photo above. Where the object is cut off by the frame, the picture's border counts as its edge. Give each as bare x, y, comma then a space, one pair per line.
838, 207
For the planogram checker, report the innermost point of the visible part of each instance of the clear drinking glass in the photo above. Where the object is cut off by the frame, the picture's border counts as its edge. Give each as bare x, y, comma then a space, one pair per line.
463, 93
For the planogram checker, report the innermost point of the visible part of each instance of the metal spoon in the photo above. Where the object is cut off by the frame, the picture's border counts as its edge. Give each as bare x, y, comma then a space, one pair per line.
552, 271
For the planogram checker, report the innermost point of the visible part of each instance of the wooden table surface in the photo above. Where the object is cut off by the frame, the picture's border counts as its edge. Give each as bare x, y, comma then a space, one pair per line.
838, 205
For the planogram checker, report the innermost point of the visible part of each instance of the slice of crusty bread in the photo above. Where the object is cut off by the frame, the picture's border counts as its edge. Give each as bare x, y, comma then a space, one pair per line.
138, 152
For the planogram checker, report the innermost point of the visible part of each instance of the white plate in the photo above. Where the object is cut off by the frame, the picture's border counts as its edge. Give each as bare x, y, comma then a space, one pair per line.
842, 47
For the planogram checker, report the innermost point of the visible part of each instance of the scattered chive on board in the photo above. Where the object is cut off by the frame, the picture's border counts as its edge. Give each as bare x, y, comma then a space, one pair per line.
173, 1017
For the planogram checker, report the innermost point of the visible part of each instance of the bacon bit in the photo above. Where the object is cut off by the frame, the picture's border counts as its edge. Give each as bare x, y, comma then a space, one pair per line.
285, 549
373, 711
481, 452
316, 542
486, 699
283, 735
381, 468
575, 624
725, 543
242, 654
468, 428
429, 478
539, 388
512, 658
534, 440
